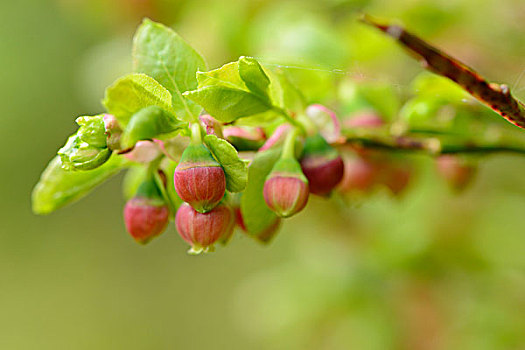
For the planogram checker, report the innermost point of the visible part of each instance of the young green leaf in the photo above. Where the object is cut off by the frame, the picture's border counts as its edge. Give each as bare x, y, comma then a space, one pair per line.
148, 123
134, 176
254, 77
162, 54
284, 93
256, 214
234, 168
133, 92
226, 104
227, 94
58, 187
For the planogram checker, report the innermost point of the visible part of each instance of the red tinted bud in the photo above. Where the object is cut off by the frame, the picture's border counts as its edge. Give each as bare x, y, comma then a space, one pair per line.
244, 138
360, 174
277, 137
202, 230
326, 121
225, 238
364, 120
199, 179
397, 177
113, 131
286, 188
457, 172
212, 125
322, 165
145, 218
144, 152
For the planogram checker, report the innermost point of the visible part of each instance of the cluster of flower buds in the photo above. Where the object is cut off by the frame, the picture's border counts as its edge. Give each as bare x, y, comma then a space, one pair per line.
365, 170
200, 181
319, 170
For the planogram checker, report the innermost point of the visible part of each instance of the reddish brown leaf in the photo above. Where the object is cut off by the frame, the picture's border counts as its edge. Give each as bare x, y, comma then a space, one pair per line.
496, 96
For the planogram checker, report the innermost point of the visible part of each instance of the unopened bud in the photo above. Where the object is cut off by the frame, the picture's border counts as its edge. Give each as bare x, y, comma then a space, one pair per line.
277, 137
360, 175
397, 176
145, 218
199, 178
202, 230
456, 171
211, 125
244, 138
144, 152
286, 188
326, 122
322, 165
79, 155
364, 120
113, 131
146, 215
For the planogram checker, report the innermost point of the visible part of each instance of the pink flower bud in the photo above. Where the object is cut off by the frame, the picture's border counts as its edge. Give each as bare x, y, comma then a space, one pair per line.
145, 218
322, 165
144, 152
457, 172
277, 137
364, 120
360, 174
397, 177
244, 138
212, 125
225, 238
326, 121
199, 178
202, 230
286, 188
113, 131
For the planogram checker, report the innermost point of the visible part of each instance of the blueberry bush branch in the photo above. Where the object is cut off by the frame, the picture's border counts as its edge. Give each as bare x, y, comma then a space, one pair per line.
240, 148
496, 96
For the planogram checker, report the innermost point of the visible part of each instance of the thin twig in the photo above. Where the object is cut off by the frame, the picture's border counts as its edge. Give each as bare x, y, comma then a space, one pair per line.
496, 96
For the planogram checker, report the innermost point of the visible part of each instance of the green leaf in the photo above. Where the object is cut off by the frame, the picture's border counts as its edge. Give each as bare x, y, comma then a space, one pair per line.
133, 92
284, 93
58, 187
132, 180
234, 167
256, 214
148, 123
162, 54
254, 77
226, 104
227, 75
236, 90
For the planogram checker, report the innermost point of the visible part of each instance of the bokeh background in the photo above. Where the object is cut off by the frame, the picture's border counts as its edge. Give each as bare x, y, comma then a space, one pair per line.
431, 270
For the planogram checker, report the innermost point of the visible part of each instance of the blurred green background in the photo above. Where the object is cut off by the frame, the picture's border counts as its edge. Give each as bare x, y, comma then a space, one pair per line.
431, 270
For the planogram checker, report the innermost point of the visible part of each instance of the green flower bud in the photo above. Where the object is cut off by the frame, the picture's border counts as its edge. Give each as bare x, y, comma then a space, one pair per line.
79, 155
